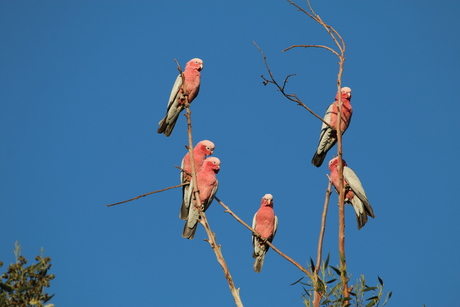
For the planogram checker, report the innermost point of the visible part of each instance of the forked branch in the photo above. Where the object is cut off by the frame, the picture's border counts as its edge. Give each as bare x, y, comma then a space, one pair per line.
282, 89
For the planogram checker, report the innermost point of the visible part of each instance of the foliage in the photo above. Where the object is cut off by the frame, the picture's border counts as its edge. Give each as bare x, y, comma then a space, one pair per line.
23, 286
329, 285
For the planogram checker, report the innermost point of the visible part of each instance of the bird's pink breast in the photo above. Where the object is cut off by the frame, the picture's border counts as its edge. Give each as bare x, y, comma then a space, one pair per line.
192, 81
206, 181
265, 220
346, 114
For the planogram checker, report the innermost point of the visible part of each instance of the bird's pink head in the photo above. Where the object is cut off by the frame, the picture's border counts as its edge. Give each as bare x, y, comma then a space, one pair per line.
267, 200
195, 63
212, 163
206, 146
334, 162
346, 93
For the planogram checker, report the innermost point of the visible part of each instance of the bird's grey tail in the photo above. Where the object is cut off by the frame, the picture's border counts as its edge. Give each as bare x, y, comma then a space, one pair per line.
188, 232
165, 128
361, 220
318, 159
259, 263
183, 215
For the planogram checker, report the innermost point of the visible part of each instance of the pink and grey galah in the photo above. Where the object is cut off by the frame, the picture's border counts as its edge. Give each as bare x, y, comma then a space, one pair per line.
190, 85
265, 222
207, 185
354, 191
200, 152
328, 136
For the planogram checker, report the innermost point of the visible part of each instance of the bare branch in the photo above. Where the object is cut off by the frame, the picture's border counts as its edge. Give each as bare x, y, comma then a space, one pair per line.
227, 210
143, 195
292, 97
317, 295
220, 258
203, 220
330, 30
313, 46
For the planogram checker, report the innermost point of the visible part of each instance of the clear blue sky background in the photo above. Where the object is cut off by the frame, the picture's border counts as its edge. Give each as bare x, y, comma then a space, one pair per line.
83, 85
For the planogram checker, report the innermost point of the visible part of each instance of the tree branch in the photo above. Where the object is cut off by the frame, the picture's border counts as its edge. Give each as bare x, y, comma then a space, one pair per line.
292, 97
203, 220
317, 295
220, 258
301, 268
146, 194
313, 46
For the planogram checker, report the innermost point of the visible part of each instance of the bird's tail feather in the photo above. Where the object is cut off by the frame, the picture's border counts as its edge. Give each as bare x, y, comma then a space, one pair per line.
259, 263
318, 159
183, 212
188, 232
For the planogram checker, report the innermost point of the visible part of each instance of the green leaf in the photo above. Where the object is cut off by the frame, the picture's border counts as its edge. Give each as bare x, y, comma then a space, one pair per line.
22, 289
297, 281
326, 263
6, 287
320, 286
371, 304
380, 280
370, 288
331, 281
337, 271
372, 298
306, 292
44, 301
334, 289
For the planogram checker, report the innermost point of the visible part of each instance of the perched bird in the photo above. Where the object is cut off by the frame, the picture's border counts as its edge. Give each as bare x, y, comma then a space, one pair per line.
354, 191
177, 98
207, 185
201, 150
328, 136
265, 222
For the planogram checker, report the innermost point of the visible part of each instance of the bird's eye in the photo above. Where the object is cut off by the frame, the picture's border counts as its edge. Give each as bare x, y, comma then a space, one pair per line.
207, 147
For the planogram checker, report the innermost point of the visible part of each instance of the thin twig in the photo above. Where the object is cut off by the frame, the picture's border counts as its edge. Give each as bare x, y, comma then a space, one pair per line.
292, 97
317, 295
227, 210
220, 258
313, 46
332, 32
146, 194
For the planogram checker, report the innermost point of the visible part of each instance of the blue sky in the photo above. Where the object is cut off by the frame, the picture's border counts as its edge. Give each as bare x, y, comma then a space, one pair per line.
83, 85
